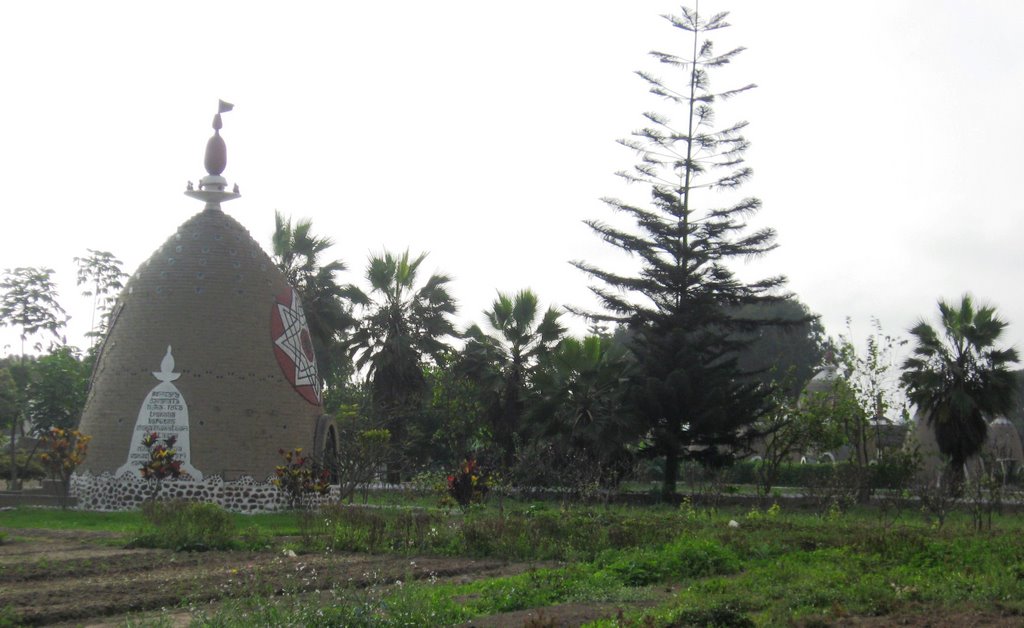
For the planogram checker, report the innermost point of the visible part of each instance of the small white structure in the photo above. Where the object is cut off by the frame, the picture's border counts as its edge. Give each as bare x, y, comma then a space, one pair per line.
165, 413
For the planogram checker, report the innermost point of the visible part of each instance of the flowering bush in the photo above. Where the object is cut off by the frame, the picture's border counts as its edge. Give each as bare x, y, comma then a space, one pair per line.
63, 451
467, 485
298, 480
163, 460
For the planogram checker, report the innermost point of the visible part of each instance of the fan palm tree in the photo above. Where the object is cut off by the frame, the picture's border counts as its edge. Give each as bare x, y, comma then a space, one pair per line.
403, 325
297, 253
958, 377
581, 395
505, 360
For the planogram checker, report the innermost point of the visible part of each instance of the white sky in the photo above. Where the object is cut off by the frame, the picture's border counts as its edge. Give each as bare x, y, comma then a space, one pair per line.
884, 137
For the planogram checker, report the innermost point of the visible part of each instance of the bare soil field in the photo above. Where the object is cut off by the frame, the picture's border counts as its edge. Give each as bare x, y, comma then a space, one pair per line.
50, 577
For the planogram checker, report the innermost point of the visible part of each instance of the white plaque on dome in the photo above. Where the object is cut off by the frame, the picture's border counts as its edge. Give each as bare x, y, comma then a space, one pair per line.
165, 413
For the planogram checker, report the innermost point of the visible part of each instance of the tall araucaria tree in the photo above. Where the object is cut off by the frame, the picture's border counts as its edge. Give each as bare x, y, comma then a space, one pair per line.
957, 377
683, 304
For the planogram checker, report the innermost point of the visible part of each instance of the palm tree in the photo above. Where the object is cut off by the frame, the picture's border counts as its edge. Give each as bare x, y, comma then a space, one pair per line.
326, 303
959, 378
505, 360
403, 326
581, 395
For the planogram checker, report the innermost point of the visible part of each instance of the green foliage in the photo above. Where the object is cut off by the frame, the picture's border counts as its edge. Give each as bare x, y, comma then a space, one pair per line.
681, 305
456, 412
468, 484
772, 570
8, 617
186, 526
29, 467
254, 538
807, 424
782, 569
684, 558
361, 449
403, 326
783, 355
297, 252
10, 398
505, 361
28, 301
100, 272
870, 376
164, 462
63, 451
57, 391
581, 410
362, 529
959, 378
298, 480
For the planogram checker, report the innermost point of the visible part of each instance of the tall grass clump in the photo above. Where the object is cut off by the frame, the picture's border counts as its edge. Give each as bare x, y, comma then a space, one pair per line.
186, 526
684, 558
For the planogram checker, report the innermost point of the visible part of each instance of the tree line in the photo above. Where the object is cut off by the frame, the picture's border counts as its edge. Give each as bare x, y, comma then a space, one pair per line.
684, 360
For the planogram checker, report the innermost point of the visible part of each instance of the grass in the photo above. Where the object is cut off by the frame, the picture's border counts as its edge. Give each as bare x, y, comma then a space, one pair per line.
129, 522
774, 568
51, 519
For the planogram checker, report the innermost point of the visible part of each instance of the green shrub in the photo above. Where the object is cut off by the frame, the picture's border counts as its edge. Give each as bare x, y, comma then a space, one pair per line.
358, 529
889, 473
717, 617
8, 617
186, 526
684, 558
27, 469
255, 538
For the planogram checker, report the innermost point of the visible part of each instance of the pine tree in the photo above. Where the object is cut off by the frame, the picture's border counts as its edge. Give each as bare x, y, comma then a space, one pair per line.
683, 306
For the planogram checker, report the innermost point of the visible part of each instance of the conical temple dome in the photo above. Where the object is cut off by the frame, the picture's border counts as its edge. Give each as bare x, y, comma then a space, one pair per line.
207, 342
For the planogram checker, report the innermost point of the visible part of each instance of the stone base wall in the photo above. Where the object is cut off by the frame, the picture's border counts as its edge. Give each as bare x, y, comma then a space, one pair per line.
106, 493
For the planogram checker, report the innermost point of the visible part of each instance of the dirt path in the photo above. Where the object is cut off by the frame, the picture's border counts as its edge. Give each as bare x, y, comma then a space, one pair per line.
49, 577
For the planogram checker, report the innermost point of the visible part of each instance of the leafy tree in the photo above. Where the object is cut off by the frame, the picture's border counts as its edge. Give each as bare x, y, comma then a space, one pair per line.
957, 377
101, 273
872, 379
785, 355
297, 253
506, 359
682, 306
64, 451
56, 394
809, 423
362, 448
10, 399
404, 326
457, 417
581, 408
28, 301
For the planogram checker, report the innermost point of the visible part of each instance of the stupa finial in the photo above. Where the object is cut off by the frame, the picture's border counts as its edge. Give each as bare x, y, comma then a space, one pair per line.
216, 149
213, 187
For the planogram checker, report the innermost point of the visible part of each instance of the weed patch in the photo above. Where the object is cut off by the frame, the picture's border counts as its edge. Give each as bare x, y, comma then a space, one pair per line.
682, 559
186, 526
